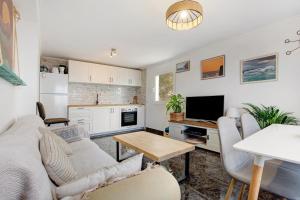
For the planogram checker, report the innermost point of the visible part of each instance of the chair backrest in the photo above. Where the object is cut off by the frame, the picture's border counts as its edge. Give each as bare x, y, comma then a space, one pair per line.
249, 125
41, 110
229, 135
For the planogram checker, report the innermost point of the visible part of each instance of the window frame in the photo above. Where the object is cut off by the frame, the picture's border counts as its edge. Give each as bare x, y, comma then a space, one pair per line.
156, 87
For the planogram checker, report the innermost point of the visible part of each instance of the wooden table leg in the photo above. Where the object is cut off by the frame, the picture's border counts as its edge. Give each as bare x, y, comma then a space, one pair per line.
257, 171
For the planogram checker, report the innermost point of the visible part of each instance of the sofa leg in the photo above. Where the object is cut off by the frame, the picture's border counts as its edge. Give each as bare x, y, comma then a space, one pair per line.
242, 190
230, 189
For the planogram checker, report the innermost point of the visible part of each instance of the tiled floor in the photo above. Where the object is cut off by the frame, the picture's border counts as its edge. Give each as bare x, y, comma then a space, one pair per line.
208, 179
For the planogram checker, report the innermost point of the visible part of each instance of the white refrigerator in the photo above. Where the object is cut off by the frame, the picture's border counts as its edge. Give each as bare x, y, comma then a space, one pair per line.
54, 94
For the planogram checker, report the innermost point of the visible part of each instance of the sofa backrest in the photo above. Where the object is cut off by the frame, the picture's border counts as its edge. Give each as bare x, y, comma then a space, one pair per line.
22, 173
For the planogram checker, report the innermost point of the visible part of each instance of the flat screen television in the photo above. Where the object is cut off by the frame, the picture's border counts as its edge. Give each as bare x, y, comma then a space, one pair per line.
208, 108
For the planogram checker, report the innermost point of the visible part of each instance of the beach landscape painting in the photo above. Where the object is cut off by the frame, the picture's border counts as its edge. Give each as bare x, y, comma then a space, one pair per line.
259, 69
183, 67
213, 67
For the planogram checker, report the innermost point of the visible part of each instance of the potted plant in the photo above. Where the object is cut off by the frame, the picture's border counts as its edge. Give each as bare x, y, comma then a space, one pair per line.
267, 115
175, 104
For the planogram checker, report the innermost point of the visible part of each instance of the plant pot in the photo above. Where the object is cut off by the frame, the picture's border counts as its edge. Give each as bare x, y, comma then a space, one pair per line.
176, 116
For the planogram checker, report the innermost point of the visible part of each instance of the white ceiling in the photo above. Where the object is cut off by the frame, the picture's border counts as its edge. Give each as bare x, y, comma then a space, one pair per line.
88, 29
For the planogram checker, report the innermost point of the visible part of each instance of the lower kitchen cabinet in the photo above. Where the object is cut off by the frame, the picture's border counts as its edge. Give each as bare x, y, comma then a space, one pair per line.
101, 119
106, 119
81, 116
97, 120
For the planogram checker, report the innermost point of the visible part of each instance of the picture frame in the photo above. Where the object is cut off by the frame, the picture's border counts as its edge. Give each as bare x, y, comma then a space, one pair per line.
213, 67
259, 69
183, 66
9, 64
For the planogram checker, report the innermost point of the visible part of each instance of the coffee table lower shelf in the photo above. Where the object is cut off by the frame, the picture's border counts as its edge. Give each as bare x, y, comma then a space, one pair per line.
186, 175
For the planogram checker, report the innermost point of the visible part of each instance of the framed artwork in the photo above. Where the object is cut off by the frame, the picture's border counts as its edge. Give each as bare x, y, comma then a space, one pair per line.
8, 45
259, 69
213, 67
183, 67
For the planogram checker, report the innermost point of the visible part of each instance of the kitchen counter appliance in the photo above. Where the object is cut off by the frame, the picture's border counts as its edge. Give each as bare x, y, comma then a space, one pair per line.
128, 117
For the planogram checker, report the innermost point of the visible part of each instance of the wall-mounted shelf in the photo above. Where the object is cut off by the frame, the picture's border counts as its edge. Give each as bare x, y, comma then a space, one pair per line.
8, 75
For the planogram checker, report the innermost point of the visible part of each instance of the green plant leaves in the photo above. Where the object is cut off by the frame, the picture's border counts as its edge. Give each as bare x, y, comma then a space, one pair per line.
175, 103
267, 115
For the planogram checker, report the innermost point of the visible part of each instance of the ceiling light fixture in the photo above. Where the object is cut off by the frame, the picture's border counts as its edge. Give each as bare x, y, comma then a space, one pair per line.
113, 52
184, 15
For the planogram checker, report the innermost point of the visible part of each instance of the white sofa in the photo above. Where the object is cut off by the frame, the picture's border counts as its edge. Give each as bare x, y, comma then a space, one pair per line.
23, 175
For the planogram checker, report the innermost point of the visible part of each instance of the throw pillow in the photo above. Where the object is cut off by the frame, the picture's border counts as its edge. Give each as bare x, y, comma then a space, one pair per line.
124, 169
103, 176
69, 133
56, 162
63, 144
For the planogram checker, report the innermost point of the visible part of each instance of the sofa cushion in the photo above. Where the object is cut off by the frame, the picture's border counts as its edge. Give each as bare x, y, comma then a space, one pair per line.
124, 169
70, 134
22, 173
56, 162
88, 158
103, 176
63, 144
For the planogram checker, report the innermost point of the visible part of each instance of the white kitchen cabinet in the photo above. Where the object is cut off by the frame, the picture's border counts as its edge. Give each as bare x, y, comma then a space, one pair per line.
99, 74
101, 119
141, 116
134, 77
123, 76
79, 72
83, 72
106, 119
97, 120
112, 75
115, 119
82, 117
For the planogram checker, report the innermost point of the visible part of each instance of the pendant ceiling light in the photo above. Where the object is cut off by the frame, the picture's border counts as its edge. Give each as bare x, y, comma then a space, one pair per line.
184, 15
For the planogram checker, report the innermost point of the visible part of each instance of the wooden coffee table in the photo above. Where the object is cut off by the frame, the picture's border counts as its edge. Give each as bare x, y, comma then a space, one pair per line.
155, 147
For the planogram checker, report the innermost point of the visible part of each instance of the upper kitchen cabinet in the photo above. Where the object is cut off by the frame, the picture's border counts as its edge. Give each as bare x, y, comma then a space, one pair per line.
79, 72
99, 74
130, 77
134, 77
103, 74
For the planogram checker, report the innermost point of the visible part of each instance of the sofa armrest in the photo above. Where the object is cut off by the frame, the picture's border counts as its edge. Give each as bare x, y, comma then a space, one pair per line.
155, 184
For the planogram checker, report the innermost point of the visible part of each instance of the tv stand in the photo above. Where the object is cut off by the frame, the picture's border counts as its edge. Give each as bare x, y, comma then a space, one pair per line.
207, 121
203, 134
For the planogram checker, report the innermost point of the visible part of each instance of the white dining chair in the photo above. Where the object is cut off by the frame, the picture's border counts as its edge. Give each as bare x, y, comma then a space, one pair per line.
249, 125
280, 180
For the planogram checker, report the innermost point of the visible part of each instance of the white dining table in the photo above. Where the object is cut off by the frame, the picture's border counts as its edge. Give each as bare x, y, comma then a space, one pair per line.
277, 141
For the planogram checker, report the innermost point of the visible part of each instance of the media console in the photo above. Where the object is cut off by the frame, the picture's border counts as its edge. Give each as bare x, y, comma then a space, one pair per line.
202, 134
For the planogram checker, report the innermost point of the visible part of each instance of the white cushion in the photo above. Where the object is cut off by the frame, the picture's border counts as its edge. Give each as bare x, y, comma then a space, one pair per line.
56, 162
69, 133
106, 175
63, 144
88, 158
124, 169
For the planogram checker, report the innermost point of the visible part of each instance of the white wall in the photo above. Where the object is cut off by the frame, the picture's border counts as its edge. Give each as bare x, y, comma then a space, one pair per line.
269, 39
19, 101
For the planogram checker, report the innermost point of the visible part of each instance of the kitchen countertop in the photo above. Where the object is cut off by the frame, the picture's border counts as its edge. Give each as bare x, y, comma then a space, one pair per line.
102, 105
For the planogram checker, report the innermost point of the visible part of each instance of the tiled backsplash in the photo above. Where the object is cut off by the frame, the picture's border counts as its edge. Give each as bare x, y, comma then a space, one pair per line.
108, 94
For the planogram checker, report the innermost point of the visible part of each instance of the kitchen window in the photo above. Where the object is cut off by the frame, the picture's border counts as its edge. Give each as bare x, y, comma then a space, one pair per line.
164, 84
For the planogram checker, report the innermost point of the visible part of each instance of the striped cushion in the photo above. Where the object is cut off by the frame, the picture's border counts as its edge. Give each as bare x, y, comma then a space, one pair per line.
63, 144
56, 162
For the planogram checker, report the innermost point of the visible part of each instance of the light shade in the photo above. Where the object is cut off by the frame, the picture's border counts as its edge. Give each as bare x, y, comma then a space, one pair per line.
233, 113
184, 15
